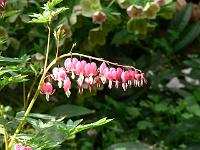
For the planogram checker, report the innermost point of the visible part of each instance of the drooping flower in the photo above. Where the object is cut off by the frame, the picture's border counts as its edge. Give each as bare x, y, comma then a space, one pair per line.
116, 76
80, 85
124, 79
70, 65
80, 67
97, 81
67, 86
89, 84
109, 74
80, 71
3, 3
47, 89
59, 74
90, 71
129, 77
102, 72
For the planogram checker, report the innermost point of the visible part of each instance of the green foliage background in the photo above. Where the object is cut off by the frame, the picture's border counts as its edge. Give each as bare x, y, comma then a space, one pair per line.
163, 115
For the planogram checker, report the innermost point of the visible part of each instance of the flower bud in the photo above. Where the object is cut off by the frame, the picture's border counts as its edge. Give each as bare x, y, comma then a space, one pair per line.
134, 11
160, 2
99, 17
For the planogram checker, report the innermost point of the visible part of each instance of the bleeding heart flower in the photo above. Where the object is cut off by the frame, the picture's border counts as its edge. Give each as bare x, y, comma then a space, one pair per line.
67, 86
124, 77
70, 65
116, 76
47, 89
19, 146
102, 72
59, 74
80, 71
3, 3
90, 70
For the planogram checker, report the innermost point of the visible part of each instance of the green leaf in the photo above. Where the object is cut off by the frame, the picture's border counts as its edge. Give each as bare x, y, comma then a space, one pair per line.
97, 36
48, 13
58, 11
71, 125
124, 3
70, 111
13, 79
13, 18
130, 146
22, 60
2, 41
181, 20
187, 36
167, 11
100, 122
194, 109
142, 125
55, 2
9, 13
113, 19
89, 7
121, 37
161, 107
137, 26
3, 33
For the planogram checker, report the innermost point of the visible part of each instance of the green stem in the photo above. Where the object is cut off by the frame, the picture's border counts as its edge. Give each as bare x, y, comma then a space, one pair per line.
27, 111
110, 4
57, 46
24, 95
4, 128
36, 93
29, 93
48, 47
6, 138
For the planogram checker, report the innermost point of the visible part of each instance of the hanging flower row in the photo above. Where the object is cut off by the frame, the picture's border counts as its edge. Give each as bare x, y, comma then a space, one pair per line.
90, 75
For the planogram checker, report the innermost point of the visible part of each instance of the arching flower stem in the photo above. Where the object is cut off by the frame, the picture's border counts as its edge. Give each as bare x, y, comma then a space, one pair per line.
46, 69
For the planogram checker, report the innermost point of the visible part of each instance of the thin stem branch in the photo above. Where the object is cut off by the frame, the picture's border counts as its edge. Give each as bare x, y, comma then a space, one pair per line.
99, 59
30, 90
57, 46
24, 95
110, 4
4, 128
6, 138
48, 46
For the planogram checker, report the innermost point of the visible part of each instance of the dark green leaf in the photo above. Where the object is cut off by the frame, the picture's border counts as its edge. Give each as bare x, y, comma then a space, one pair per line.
181, 20
70, 111
187, 36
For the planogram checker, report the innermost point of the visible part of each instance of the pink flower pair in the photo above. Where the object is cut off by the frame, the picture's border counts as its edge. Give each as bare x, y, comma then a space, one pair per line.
19, 146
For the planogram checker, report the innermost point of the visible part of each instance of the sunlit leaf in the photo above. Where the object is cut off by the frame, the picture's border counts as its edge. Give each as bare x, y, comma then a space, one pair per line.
89, 7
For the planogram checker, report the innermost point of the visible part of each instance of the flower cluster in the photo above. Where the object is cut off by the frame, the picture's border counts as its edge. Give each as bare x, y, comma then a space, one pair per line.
19, 146
89, 75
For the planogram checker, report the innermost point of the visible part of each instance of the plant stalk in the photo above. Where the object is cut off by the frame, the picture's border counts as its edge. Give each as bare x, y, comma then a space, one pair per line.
6, 138
42, 80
